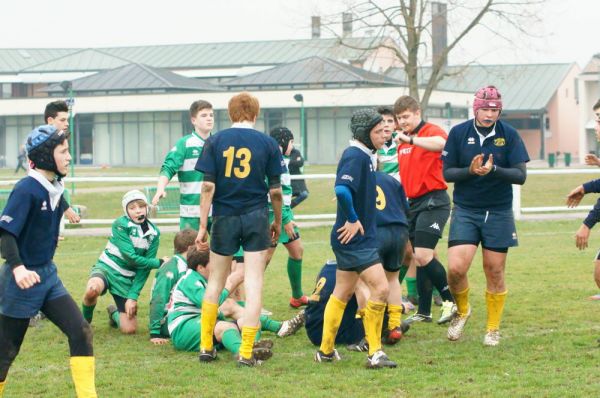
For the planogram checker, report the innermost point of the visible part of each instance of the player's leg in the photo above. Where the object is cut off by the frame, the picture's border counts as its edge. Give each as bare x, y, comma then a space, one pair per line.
12, 332
294, 269
596, 276
63, 312
494, 264
96, 287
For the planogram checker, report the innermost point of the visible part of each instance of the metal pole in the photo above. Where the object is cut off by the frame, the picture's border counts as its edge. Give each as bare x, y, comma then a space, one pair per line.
303, 130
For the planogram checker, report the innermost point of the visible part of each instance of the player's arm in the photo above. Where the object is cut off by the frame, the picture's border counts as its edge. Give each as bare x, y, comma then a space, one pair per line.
433, 144
296, 159
516, 174
353, 224
10, 252
158, 302
173, 162
206, 199
277, 203
123, 242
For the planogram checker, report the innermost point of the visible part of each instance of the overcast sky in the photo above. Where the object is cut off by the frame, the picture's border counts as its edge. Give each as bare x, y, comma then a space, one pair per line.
567, 33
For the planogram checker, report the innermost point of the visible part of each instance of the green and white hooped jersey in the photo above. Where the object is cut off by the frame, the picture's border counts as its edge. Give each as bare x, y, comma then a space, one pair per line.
388, 159
129, 249
286, 189
182, 159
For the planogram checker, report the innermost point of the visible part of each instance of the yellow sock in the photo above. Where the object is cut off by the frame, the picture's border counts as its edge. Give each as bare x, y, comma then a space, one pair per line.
207, 324
334, 311
373, 323
394, 316
248, 337
83, 371
2, 384
462, 302
360, 313
495, 307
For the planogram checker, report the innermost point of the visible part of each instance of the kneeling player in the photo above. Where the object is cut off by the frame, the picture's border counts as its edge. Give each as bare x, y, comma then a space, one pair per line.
28, 280
354, 240
125, 264
165, 280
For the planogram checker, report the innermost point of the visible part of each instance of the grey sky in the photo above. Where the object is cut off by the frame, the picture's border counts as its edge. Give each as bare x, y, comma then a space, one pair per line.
564, 36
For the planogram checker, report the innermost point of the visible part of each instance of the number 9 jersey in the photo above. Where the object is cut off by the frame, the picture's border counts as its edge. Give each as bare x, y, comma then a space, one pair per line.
241, 160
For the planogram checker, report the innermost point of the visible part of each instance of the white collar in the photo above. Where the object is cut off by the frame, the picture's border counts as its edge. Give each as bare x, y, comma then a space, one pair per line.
363, 147
243, 125
55, 188
482, 137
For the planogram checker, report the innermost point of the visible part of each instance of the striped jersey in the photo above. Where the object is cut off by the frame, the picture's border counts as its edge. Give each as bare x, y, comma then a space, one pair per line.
286, 189
164, 281
186, 299
130, 251
388, 158
182, 159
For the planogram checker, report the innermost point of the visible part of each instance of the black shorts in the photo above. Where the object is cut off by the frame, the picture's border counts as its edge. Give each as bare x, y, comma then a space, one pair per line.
250, 231
356, 260
392, 242
429, 214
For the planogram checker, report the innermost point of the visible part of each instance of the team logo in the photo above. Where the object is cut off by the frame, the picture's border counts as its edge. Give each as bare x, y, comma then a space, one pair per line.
514, 235
6, 218
347, 177
471, 141
435, 226
44, 205
195, 152
169, 275
499, 142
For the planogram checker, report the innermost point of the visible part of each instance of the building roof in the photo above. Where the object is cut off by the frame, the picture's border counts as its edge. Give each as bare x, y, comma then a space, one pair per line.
524, 87
134, 77
593, 66
185, 56
310, 72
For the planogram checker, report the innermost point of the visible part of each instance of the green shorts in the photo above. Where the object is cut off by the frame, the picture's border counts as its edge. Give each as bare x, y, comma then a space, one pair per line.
283, 237
116, 283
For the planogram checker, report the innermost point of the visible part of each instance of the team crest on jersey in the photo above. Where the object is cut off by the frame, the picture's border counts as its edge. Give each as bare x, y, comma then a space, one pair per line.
471, 141
195, 152
499, 142
347, 177
44, 206
170, 275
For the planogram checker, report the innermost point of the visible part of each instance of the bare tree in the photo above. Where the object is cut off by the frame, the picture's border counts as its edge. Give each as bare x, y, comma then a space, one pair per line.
406, 24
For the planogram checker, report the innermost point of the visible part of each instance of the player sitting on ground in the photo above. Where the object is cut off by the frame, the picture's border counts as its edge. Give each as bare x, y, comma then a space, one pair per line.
164, 281
290, 236
185, 314
125, 264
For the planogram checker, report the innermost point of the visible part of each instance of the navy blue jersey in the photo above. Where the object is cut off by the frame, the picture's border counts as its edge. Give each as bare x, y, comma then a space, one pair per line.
483, 192
240, 159
34, 220
351, 329
355, 170
391, 202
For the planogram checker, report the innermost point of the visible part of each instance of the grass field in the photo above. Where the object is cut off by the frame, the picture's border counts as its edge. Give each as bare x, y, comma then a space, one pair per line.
549, 346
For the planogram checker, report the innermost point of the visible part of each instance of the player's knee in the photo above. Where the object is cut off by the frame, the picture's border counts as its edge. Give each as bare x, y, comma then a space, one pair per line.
92, 292
380, 292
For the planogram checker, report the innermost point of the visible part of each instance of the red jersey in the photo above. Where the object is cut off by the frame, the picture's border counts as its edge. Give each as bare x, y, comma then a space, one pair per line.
420, 169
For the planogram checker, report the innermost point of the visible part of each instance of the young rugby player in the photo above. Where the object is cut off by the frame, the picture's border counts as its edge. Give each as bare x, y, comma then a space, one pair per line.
28, 280
354, 240
241, 166
125, 264
290, 236
181, 160
484, 156
164, 281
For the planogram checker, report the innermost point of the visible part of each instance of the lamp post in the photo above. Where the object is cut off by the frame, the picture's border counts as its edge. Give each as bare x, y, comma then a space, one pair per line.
67, 87
300, 98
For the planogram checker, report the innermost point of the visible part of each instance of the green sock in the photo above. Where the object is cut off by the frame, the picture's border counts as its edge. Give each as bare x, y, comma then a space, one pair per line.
403, 271
115, 317
294, 269
269, 324
88, 312
436, 292
411, 286
232, 340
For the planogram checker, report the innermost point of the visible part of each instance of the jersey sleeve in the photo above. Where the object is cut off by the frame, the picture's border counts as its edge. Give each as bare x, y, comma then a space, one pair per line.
16, 212
139, 280
125, 245
161, 291
275, 164
174, 160
349, 173
449, 153
206, 162
517, 153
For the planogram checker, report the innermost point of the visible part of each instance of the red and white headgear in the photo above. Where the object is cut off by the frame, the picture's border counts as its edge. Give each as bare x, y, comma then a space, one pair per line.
487, 98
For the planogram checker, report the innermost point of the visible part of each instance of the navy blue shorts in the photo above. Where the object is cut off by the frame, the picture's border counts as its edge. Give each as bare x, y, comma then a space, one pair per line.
392, 241
356, 260
25, 303
493, 228
250, 231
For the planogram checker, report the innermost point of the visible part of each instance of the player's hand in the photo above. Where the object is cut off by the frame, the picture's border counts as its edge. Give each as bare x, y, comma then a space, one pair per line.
160, 193
131, 308
592, 160
165, 259
476, 163
202, 239
275, 232
25, 278
479, 168
159, 341
402, 138
575, 196
289, 230
349, 231
582, 236
72, 216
